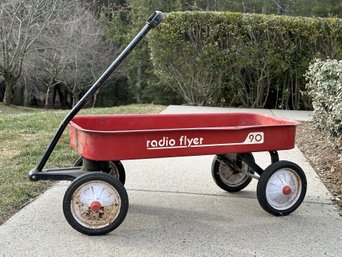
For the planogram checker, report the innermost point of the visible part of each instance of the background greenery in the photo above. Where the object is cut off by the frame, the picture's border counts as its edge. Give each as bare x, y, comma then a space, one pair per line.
115, 22
325, 88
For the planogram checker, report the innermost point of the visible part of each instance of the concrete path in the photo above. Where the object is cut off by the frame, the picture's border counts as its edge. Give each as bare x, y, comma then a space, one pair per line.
177, 210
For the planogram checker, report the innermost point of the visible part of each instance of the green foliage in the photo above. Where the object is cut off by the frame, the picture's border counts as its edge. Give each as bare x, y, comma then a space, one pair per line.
325, 87
320, 8
116, 20
121, 22
246, 59
122, 19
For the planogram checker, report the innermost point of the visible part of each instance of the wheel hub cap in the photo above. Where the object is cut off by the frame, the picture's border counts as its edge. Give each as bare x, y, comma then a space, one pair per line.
283, 189
95, 206
287, 190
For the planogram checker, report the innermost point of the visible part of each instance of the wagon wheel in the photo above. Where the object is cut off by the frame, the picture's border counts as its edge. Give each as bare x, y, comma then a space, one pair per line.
229, 177
95, 203
117, 169
281, 188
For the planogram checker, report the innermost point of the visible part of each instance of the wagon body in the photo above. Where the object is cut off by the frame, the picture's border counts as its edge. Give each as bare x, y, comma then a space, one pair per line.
122, 137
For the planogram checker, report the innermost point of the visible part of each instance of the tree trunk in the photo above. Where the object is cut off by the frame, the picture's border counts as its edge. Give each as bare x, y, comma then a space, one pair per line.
63, 99
94, 99
9, 83
138, 84
243, 7
74, 100
54, 94
8, 94
26, 96
75, 97
47, 96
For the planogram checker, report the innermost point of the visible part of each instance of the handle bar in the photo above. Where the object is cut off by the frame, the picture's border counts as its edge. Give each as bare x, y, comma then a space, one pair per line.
151, 22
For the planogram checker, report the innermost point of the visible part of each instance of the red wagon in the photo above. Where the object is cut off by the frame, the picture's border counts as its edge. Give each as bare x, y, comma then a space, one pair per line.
96, 201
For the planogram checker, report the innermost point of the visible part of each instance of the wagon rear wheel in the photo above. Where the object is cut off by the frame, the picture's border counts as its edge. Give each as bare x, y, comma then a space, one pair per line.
95, 203
229, 177
281, 188
116, 170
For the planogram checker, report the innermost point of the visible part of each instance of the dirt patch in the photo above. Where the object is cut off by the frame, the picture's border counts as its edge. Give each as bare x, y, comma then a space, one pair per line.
323, 157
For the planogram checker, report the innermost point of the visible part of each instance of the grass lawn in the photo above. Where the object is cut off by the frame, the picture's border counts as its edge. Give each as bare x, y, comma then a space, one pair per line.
24, 136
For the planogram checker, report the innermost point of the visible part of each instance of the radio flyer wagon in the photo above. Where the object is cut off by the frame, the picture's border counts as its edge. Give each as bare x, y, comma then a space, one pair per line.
96, 201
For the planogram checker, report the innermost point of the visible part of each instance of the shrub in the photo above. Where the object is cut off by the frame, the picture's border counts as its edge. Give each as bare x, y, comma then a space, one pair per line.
251, 60
325, 87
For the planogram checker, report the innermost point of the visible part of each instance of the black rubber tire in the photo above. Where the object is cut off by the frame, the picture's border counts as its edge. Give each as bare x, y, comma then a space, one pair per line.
265, 201
118, 164
215, 172
95, 177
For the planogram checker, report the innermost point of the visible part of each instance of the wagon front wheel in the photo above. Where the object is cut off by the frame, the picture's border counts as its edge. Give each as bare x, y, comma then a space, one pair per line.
95, 203
281, 188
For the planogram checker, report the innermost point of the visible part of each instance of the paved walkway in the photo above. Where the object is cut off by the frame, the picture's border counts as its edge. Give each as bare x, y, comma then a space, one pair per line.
177, 210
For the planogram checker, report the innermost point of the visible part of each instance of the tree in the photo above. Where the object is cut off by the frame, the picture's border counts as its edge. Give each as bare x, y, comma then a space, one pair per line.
49, 59
82, 38
87, 54
70, 53
21, 24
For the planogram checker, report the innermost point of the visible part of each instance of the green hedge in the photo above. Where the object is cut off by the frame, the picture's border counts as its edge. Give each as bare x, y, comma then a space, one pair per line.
325, 88
250, 60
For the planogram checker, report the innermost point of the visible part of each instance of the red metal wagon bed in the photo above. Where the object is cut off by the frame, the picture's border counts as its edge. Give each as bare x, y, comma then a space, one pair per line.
122, 137
96, 202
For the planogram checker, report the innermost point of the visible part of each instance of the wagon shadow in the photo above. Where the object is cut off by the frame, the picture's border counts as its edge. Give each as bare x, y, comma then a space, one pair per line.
190, 214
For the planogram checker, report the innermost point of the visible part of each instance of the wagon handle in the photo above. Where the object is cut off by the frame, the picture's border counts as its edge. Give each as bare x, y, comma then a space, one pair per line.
152, 22
155, 18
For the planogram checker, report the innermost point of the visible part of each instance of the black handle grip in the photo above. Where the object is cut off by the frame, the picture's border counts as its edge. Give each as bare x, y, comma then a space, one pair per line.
155, 19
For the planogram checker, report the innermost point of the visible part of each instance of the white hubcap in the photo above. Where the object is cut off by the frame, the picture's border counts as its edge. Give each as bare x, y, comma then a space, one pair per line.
283, 189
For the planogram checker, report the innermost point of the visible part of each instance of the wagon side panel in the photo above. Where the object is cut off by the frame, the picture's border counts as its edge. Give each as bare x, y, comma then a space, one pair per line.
155, 144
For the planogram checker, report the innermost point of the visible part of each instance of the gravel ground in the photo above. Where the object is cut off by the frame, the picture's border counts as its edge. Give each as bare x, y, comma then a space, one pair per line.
323, 157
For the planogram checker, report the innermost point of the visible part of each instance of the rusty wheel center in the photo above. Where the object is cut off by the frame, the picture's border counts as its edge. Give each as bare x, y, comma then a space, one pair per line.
95, 206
